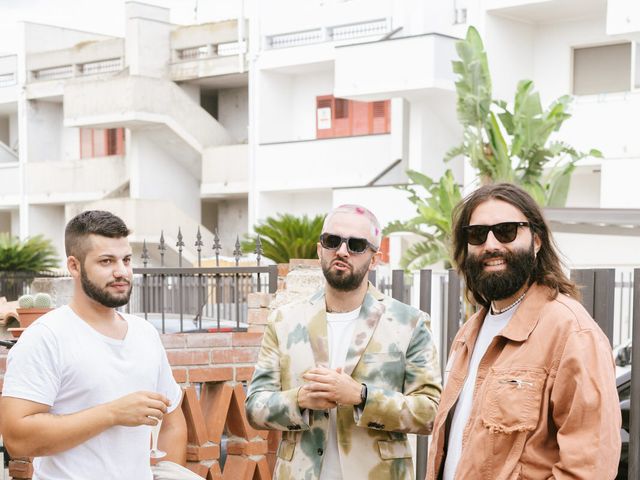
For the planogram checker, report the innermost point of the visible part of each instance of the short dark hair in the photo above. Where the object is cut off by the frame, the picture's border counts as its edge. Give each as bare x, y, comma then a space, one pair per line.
91, 222
547, 269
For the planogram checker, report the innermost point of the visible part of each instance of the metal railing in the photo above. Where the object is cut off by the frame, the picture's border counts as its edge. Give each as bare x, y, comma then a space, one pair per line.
211, 298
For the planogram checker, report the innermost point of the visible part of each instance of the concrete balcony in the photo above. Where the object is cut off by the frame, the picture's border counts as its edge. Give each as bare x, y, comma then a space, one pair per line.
623, 17
225, 171
8, 79
148, 219
320, 164
591, 114
545, 11
49, 71
79, 180
10, 181
140, 102
210, 50
389, 68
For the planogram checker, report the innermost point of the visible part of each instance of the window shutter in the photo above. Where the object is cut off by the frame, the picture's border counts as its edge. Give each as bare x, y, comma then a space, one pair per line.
381, 116
324, 116
342, 118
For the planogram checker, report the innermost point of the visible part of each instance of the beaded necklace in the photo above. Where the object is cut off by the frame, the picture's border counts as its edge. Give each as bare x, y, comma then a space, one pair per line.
502, 310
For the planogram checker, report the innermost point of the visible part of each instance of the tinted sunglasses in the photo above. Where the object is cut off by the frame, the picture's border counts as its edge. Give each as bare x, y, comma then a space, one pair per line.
354, 244
505, 232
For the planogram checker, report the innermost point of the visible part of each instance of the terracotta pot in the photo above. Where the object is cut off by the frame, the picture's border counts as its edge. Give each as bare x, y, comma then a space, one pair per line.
15, 331
26, 316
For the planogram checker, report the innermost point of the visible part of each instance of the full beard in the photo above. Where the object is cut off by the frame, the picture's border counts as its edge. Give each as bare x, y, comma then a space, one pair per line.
343, 280
101, 295
503, 284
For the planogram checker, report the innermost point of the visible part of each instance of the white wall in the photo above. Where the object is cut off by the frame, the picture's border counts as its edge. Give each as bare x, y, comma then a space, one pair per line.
39, 37
44, 131
233, 112
13, 130
233, 219
510, 49
583, 250
553, 53
310, 202
276, 124
303, 93
283, 16
326, 163
192, 91
433, 131
157, 175
148, 45
619, 183
48, 220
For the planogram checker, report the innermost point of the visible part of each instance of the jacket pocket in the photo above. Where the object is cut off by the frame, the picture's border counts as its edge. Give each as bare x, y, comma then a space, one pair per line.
394, 449
285, 450
513, 399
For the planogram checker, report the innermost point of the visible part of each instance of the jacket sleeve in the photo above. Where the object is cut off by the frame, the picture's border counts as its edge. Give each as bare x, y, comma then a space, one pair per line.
586, 409
267, 406
412, 410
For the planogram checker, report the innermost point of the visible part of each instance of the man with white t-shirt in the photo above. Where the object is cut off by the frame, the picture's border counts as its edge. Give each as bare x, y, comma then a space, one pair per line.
530, 387
85, 383
348, 372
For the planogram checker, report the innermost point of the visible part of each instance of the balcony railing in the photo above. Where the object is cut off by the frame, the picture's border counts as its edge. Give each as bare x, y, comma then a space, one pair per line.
98, 67
7, 79
334, 33
211, 50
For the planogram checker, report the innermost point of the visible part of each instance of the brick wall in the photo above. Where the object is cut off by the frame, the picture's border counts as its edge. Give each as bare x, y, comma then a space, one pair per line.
218, 366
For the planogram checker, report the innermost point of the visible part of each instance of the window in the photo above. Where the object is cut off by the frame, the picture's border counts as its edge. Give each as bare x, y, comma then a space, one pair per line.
602, 69
99, 142
338, 117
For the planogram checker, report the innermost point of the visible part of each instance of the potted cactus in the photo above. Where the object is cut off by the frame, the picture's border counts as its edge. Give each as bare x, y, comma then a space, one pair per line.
31, 307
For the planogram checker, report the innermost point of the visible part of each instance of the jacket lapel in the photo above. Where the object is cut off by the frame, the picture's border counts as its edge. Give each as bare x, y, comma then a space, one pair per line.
317, 328
370, 313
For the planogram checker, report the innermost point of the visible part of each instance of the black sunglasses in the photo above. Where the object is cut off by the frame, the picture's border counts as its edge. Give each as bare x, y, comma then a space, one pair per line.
354, 244
505, 232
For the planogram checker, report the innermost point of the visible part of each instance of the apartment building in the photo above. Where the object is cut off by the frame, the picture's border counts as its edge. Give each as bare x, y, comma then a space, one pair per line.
152, 126
300, 105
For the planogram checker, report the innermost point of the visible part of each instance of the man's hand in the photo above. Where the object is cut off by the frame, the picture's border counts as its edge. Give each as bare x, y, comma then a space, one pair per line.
139, 408
333, 386
307, 398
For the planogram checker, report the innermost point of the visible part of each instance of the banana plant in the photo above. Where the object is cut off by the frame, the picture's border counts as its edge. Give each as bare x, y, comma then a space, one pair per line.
434, 202
511, 145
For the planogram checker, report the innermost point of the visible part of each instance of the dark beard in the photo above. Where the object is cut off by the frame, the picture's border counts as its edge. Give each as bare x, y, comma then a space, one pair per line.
344, 281
491, 286
100, 295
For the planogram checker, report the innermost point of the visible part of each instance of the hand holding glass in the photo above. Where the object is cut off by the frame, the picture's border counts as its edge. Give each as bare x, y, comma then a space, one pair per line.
155, 432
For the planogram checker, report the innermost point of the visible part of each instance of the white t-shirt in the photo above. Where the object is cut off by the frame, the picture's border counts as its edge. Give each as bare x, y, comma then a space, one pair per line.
340, 328
492, 325
63, 362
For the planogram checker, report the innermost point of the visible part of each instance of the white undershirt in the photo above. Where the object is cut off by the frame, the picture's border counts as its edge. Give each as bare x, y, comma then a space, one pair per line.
491, 326
340, 328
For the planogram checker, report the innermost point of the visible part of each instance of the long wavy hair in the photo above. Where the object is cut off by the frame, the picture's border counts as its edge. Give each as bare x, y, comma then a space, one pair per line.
547, 269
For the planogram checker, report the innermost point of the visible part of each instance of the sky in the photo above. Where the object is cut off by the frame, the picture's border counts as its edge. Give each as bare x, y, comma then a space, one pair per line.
99, 16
